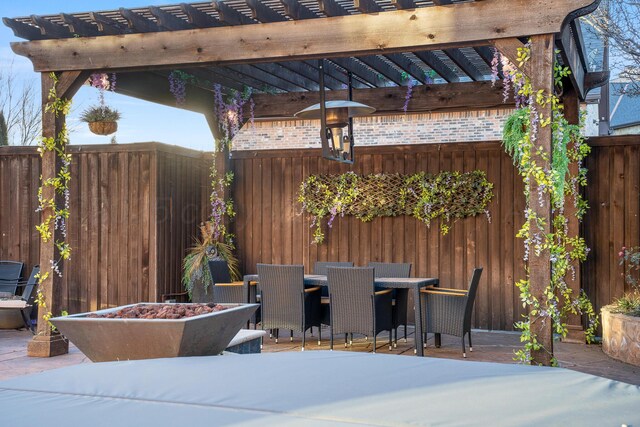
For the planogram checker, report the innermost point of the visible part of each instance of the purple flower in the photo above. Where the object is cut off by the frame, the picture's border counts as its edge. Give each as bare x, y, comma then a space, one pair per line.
407, 96
178, 87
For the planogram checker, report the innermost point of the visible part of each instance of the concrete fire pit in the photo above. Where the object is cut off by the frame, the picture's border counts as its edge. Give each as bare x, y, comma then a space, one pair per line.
102, 339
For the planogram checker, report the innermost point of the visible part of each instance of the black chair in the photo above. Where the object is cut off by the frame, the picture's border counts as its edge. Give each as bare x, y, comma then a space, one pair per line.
225, 289
284, 301
10, 274
448, 311
24, 304
400, 296
356, 307
321, 269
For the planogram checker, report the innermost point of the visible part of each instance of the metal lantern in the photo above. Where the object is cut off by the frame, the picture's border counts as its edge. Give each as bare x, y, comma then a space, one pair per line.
334, 117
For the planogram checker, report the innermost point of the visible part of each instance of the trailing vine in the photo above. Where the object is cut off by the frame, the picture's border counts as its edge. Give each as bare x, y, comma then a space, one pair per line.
216, 242
447, 195
57, 220
568, 145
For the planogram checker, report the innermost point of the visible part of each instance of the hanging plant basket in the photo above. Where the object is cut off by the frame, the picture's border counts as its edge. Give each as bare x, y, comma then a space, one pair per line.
103, 128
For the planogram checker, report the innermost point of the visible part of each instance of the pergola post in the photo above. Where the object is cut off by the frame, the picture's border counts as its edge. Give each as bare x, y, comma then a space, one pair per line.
575, 327
541, 76
47, 343
222, 158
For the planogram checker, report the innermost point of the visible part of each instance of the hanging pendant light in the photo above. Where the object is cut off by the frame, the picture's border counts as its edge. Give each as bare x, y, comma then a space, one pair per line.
334, 117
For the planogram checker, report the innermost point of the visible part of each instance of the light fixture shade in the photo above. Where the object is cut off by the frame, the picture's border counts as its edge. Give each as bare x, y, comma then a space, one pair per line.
355, 109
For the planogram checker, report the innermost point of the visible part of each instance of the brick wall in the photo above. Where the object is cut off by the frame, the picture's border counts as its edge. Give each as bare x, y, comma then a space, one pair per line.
485, 125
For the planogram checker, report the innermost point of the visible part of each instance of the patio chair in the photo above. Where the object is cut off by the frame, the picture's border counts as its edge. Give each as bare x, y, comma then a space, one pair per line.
24, 303
321, 269
400, 299
10, 274
285, 303
224, 289
356, 307
448, 311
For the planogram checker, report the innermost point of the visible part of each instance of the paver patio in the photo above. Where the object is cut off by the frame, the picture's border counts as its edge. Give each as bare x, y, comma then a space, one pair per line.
488, 347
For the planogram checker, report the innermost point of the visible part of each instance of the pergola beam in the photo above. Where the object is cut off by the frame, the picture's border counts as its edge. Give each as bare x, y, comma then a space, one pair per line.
425, 98
427, 28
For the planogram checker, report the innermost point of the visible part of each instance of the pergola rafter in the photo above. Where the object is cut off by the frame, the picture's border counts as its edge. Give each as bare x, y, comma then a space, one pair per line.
272, 46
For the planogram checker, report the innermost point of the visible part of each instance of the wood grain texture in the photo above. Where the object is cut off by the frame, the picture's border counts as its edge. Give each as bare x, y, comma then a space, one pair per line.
425, 28
433, 97
451, 258
115, 220
150, 215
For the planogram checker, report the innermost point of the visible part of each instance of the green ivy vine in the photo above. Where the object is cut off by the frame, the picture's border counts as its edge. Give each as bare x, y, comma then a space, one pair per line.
57, 219
447, 195
568, 146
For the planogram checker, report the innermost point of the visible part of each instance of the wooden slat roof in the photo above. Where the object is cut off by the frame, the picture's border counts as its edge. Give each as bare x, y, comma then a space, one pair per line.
439, 66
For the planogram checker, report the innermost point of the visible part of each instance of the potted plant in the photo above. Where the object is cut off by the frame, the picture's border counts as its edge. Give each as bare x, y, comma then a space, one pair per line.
102, 119
196, 277
621, 319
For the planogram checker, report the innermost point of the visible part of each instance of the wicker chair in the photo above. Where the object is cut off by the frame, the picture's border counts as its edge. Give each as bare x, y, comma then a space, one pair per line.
285, 303
356, 307
224, 289
321, 269
400, 299
10, 274
448, 311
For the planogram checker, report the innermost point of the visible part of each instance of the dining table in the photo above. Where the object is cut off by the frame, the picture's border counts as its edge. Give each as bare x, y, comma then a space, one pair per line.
401, 284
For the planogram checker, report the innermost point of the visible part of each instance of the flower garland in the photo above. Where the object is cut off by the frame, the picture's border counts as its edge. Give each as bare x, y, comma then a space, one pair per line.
230, 118
426, 197
568, 145
60, 185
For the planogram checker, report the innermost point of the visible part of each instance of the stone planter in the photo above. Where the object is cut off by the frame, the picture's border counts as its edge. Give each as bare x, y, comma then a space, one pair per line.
621, 336
104, 340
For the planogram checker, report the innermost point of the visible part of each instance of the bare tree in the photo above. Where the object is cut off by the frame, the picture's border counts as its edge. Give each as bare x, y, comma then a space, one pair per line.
19, 101
618, 22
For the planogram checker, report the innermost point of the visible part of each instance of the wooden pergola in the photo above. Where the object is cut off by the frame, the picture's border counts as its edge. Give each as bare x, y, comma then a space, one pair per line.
444, 46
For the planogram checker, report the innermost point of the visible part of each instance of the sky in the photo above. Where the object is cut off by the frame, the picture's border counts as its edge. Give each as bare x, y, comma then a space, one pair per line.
141, 121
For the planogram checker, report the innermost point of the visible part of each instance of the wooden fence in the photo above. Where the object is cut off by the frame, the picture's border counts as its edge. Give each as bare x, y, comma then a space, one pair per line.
613, 218
271, 229
135, 211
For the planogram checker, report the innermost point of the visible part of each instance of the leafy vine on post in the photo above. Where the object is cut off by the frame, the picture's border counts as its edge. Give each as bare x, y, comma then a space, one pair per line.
57, 219
568, 145
216, 241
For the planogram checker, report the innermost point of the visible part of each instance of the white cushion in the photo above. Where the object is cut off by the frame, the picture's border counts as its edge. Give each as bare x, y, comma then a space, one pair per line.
13, 303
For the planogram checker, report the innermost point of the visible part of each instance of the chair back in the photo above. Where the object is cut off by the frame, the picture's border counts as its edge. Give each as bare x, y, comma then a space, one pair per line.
351, 291
471, 295
281, 295
321, 266
10, 274
391, 269
29, 291
219, 270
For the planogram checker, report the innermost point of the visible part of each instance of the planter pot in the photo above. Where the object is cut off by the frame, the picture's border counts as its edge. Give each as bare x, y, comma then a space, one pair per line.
104, 340
621, 336
198, 293
103, 128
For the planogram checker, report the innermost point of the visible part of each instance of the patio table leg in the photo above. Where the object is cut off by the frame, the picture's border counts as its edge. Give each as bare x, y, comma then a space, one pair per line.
246, 290
418, 322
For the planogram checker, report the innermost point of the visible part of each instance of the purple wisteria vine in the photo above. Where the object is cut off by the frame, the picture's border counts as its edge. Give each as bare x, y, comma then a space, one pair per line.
230, 117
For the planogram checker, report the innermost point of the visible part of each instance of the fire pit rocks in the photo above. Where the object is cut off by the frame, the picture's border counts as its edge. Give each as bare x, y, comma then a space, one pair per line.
150, 330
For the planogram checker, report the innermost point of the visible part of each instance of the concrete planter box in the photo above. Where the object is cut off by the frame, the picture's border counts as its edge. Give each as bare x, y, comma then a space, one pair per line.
621, 336
103, 340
